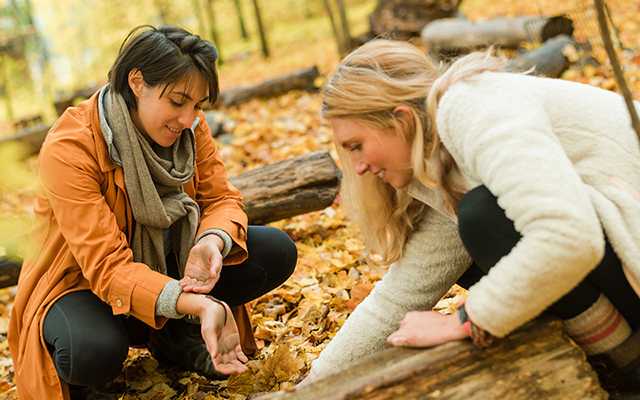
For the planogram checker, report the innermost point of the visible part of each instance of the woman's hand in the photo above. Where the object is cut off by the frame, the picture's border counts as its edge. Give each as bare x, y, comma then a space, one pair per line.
427, 328
222, 339
203, 266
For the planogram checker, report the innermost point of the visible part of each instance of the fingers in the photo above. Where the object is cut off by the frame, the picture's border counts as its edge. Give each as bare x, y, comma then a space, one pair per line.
189, 284
240, 355
216, 265
228, 364
398, 338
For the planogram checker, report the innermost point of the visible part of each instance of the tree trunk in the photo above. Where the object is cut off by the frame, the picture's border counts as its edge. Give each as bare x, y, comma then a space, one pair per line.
337, 34
263, 37
548, 60
213, 29
197, 10
302, 79
273, 192
456, 34
243, 27
344, 23
406, 18
536, 362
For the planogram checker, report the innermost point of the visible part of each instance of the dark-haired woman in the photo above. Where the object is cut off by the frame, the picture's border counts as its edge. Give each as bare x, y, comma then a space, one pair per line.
136, 220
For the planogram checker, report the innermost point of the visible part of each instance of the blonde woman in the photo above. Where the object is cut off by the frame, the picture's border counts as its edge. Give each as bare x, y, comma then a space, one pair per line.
522, 189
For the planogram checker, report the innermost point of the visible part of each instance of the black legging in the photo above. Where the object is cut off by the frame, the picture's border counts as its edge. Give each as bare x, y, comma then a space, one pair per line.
89, 344
488, 235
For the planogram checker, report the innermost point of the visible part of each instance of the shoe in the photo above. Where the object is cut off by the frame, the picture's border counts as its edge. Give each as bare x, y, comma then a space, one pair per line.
621, 383
624, 383
179, 343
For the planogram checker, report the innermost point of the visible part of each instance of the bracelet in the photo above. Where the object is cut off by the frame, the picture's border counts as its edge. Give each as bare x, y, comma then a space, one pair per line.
479, 336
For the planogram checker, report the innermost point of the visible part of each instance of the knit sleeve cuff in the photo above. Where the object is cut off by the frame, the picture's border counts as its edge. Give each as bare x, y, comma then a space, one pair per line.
166, 303
226, 238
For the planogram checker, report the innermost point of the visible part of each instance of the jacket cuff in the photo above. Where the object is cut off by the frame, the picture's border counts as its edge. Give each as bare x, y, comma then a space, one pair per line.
226, 239
166, 303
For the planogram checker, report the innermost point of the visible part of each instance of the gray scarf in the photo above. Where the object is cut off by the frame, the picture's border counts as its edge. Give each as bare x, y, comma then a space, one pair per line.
154, 184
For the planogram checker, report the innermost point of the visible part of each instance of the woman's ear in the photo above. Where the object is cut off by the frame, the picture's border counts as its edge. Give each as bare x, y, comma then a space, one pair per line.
136, 81
404, 120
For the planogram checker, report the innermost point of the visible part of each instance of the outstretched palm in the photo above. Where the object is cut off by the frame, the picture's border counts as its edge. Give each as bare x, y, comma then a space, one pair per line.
202, 269
223, 340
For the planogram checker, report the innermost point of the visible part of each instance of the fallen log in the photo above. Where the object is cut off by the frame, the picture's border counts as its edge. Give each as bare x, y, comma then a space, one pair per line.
9, 271
406, 18
219, 124
548, 60
273, 192
536, 362
63, 102
287, 188
461, 35
31, 137
28, 121
303, 79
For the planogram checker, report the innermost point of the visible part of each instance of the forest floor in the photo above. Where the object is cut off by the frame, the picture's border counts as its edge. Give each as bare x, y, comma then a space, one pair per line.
293, 323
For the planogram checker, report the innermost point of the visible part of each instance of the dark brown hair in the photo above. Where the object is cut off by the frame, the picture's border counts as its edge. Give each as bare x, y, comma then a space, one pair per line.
164, 56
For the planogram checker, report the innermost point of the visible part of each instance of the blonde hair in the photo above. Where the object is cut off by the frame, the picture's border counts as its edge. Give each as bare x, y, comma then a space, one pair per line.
367, 86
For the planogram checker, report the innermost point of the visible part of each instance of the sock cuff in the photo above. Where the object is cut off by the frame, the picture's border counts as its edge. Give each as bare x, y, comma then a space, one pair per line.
599, 328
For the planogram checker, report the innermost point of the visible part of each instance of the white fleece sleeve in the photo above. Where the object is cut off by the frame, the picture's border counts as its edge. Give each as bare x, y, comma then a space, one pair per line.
433, 260
502, 137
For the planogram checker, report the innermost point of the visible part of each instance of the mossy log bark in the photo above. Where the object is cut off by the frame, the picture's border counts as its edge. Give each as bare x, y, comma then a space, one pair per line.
273, 192
303, 79
461, 35
31, 138
536, 362
547, 60
288, 188
403, 19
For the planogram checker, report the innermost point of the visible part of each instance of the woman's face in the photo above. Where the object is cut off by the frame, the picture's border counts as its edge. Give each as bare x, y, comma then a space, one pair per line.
163, 116
382, 152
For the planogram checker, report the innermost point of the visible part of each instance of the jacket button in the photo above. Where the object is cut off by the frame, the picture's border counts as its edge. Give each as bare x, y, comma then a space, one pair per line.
119, 302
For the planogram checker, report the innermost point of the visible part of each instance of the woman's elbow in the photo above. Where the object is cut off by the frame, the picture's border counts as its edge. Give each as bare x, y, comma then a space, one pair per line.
589, 243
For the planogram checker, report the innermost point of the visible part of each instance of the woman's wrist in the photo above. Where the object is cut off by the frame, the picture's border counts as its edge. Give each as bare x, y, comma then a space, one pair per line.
465, 322
213, 239
193, 304
479, 336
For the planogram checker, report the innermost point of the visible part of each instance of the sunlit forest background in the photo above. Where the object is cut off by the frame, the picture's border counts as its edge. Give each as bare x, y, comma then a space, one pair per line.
49, 49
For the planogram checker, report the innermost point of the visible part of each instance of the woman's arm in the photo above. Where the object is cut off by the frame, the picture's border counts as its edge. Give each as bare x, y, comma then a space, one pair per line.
220, 202
433, 260
218, 329
71, 179
502, 136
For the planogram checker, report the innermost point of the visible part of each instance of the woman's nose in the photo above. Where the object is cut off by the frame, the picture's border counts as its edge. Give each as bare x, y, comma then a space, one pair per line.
361, 167
186, 118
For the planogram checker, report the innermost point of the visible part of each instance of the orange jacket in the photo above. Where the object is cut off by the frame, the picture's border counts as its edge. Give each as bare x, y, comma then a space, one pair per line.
84, 225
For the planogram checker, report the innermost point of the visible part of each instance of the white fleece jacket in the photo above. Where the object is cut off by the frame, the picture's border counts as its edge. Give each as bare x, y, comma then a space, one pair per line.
563, 161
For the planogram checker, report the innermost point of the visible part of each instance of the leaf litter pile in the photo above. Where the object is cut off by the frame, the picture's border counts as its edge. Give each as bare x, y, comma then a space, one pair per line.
293, 323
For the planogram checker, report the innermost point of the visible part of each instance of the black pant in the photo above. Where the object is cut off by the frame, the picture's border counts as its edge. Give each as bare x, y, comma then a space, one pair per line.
488, 235
89, 344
